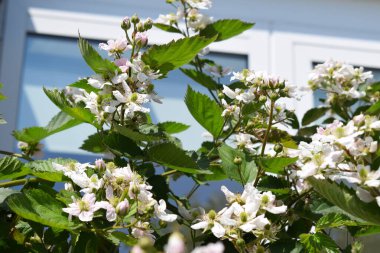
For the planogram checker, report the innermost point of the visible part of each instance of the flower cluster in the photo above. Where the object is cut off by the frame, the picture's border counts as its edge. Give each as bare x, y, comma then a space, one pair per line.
257, 86
245, 213
118, 191
339, 80
121, 95
189, 11
343, 153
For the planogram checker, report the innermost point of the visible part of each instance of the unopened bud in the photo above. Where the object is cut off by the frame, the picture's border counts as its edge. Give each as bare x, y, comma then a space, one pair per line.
135, 19
140, 27
263, 99
238, 160
122, 208
100, 164
278, 148
240, 243
274, 96
260, 249
126, 24
220, 95
148, 24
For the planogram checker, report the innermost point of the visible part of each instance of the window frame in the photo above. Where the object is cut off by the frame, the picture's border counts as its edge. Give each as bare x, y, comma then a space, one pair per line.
41, 18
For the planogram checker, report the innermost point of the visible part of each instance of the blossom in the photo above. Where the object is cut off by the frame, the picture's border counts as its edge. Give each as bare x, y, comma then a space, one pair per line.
83, 208
175, 244
217, 247
117, 46
160, 212
200, 4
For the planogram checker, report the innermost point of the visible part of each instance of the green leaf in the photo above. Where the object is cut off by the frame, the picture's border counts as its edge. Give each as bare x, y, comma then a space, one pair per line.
86, 243
368, 230
170, 155
38, 206
172, 127
248, 169
160, 186
217, 174
201, 78
347, 200
334, 220
44, 169
374, 109
314, 114
83, 84
276, 164
124, 238
167, 28
273, 184
94, 60
174, 54
4, 193
136, 136
225, 28
75, 111
204, 110
307, 131
94, 143
122, 145
318, 242
11, 167
58, 123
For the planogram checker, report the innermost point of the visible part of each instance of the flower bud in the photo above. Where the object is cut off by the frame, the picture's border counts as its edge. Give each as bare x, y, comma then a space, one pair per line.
100, 164
148, 24
274, 96
126, 24
263, 99
240, 243
135, 19
238, 160
220, 95
122, 208
260, 249
278, 148
141, 39
140, 27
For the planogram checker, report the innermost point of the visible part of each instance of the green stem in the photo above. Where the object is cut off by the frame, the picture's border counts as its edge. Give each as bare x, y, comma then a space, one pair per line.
21, 182
260, 171
16, 155
170, 172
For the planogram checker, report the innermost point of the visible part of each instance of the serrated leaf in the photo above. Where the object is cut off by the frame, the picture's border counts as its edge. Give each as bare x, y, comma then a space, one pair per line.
201, 78
347, 200
172, 127
174, 54
313, 114
204, 110
94, 60
122, 145
11, 167
58, 123
318, 242
307, 131
83, 84
273, 184
248, 169
333, 220
276, 164
368, 230
38, 206
170, 155
218, 174
167, 28
44, 169
94, 143
75, 111
225, 28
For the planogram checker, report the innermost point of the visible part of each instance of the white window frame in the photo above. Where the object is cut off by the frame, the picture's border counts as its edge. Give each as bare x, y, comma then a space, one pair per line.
295, 54
44, 18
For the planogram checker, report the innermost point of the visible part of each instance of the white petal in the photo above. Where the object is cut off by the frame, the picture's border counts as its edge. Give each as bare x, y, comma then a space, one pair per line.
218, 230
200, 225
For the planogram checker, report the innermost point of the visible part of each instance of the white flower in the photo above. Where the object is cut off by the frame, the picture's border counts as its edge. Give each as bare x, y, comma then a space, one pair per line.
175, 244
217, 247
97, 82
244, 141
117, 46
268, 203
160, 212
200, 4
83, 208
198, 21
142, 229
